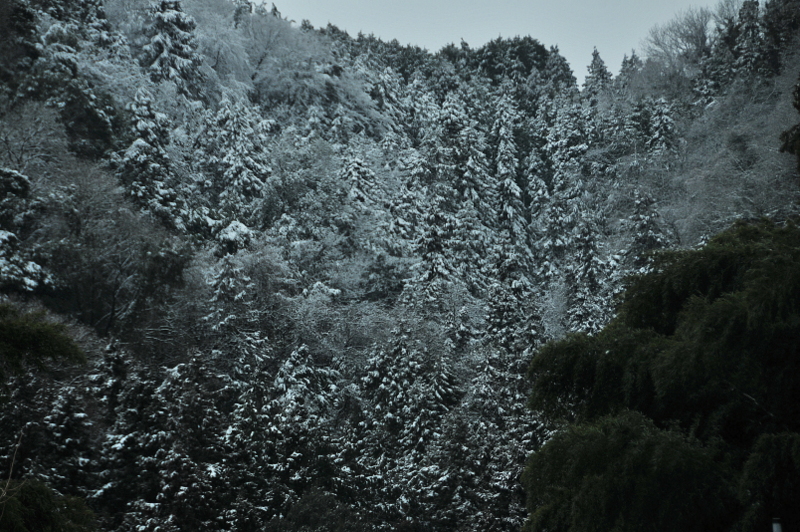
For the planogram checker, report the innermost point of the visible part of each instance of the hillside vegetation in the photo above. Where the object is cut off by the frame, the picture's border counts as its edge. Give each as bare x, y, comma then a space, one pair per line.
309, 270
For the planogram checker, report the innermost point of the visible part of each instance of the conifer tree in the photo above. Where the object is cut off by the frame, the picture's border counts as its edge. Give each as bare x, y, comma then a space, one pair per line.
587, 274
295, 431
598, 80
631, 66
436, 277
236, 160
538, 195
556, 77
17, 270
662, 128
361, 181
146, 168
750, 47
510, 207
646, 230
171, 53
790, 139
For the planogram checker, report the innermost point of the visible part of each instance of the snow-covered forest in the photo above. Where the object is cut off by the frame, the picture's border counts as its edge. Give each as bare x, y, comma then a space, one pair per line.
307, 271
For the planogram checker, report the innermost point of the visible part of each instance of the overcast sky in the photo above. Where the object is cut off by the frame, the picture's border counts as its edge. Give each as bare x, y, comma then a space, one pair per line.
575, 26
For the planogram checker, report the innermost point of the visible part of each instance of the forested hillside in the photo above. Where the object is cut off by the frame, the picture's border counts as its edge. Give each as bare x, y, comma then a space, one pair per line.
305, 272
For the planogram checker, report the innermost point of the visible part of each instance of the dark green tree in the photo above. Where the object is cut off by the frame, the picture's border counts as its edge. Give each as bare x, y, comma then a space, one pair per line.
27, 341
701, 362
31, 505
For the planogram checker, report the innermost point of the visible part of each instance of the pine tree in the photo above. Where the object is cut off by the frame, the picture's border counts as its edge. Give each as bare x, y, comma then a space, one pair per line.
538, 195
750, 47
146, 168
435, 277
555, 78
235, 157
501, 432
235, 323
510, 207
18, 47
163, 455
646, 230
406, 394
473, 176
790, 139
565, 209
361, 181
587, 274
631, 66
598, 81
406, 206
17, 269
297, 440
171, 53
66, 461
662, 128
781, 22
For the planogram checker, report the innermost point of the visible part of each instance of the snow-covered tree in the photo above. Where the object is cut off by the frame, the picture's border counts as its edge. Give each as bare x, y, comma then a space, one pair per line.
750, 47
647, 232
436, 277
587, 274
510, 206
171, 53
145, 168
17, 269
598, 80
662, 128
236, 161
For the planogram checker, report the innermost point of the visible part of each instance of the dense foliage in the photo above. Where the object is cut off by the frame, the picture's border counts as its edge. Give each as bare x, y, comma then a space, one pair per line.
308, 269
683, 413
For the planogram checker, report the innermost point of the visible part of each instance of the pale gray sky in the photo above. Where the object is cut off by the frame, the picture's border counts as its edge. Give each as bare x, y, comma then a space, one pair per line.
575, 26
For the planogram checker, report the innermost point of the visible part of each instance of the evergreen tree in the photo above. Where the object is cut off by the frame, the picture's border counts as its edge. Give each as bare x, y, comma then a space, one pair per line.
538, 196
647, 233
590, 303
631, 66
27, 340
236, 159
18, 49
662, 128
790, 139
361, 181
164, 455
750, 47
510, 207
17, 270
436, 277
554, 78
297, 441
781, 22
171, 53
598, 80
146, 168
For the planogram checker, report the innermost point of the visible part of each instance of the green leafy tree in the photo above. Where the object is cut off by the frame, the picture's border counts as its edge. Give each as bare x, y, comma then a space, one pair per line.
32, 505
693, 389
27, 341
623, 473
